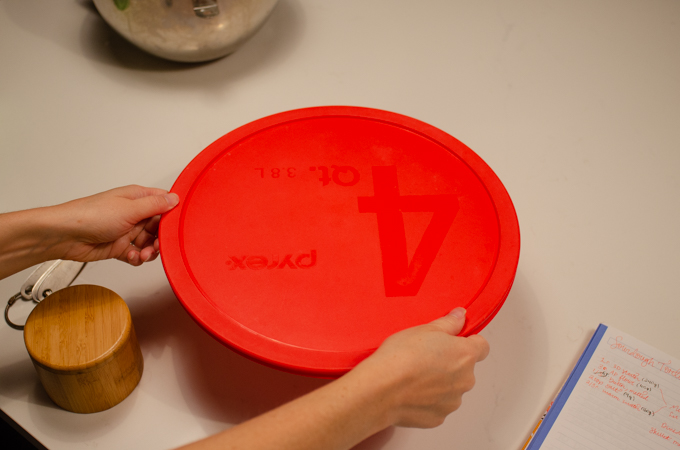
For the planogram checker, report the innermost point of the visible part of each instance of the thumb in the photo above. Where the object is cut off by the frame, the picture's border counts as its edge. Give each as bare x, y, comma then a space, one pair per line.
451, 323
152, 205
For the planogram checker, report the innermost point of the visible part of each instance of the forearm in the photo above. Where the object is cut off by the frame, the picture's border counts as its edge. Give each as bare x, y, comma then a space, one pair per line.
334, 417
27, 238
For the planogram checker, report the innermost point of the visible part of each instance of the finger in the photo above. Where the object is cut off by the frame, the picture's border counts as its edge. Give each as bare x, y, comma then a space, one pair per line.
451, 323
481, 346
134, 191
148, 254
143, 237
133, 258
151, 225
152, 205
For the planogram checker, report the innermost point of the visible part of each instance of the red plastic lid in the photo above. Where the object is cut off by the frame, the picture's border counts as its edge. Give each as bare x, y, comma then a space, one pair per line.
304, 239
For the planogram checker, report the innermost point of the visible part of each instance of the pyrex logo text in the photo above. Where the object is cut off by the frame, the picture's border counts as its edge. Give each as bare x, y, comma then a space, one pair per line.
258, 262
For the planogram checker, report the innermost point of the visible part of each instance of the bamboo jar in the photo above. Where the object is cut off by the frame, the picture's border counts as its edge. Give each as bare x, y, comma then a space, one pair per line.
84, 348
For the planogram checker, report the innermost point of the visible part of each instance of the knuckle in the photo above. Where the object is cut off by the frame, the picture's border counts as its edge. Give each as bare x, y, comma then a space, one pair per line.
159, 202
470, 383
437, 421
457, 402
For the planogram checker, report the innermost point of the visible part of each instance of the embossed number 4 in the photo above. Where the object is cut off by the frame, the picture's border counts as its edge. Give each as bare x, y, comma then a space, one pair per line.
402, 278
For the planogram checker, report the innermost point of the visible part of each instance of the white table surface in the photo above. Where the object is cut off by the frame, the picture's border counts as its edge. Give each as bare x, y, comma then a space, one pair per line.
574, 104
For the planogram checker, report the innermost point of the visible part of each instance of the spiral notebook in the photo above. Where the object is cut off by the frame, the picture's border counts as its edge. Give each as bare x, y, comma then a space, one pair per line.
623, 394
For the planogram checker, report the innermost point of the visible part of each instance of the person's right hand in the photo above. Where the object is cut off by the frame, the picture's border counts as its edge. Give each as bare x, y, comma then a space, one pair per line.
426, 370
121, 223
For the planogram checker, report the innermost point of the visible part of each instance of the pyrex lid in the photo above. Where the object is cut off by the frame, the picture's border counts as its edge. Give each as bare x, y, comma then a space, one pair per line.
304, 239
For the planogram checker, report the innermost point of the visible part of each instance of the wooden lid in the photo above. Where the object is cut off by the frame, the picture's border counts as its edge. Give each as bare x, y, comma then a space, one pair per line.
77, 328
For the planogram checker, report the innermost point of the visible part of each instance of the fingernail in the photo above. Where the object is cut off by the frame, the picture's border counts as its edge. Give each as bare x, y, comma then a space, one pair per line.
133, 256
458, 313
151, 256
172, 199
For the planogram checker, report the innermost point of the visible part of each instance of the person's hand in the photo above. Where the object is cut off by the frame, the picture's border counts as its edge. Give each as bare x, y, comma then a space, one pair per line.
427, 369
121, 223
415, 379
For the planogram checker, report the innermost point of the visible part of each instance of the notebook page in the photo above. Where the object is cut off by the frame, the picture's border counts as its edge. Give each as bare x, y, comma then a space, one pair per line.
627, 398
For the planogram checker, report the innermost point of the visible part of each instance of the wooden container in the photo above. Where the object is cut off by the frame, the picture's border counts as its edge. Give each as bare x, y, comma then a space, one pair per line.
84, 348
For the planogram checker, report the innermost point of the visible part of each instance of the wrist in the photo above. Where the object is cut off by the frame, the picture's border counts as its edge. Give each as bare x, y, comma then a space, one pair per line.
378, 386
397, 373
27, 238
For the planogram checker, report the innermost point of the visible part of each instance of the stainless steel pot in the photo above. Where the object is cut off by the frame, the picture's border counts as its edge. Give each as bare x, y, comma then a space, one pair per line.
186, 30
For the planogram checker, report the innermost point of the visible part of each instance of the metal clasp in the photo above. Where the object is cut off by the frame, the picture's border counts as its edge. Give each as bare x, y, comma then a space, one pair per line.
11, 301
49, 277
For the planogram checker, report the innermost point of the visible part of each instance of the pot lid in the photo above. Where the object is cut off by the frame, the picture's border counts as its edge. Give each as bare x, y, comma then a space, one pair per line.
302, 240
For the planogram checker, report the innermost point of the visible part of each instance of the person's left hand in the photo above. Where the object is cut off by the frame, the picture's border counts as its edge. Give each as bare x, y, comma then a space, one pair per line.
121, 223
426, 369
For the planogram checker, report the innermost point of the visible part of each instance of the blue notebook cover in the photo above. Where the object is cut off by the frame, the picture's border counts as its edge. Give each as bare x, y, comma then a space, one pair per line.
566, 390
